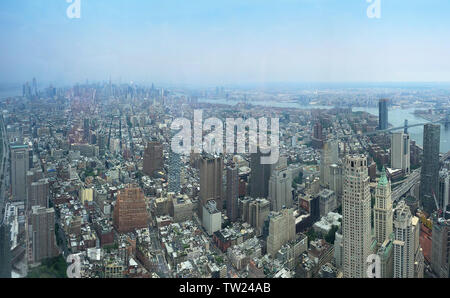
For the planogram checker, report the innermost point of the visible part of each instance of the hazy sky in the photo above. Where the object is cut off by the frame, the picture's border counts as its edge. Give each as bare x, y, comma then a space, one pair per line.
224, 41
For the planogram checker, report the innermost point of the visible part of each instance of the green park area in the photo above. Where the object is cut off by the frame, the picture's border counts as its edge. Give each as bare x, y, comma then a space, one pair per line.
50, 268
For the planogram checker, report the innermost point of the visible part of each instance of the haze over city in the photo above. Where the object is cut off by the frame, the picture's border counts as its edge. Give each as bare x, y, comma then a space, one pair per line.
225, 42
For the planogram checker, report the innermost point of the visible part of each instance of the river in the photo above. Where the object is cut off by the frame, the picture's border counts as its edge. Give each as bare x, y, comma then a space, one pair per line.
396, 118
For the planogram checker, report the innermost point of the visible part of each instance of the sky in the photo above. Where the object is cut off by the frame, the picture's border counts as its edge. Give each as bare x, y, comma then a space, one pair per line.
220, 42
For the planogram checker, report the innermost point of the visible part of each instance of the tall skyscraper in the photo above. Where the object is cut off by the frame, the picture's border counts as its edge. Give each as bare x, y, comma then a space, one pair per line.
38, 194
5, 251
174, 171
356, 222
400, 152
280, 187
444, 189
130, 212
329, 156
153, 158
42, 238
281, 230
440, 246
211, 176
383, 209
259, 176
404, 242
19, 168
232, 192
383, 122
429, 178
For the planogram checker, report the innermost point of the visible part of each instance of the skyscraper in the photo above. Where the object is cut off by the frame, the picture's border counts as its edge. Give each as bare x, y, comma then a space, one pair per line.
211, 175
329, 156
130, 212
383, 114
281, 230
259, 176
383, 209
174, 170
280, 187
42, 238
404, 242
440, 246
356, 222
429, 178
232, 192
400, 152
38, 194
19, 168
5, 251
153, 158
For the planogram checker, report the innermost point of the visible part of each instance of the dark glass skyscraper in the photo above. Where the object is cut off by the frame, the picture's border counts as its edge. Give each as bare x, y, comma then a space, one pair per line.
232, 192
259, 177
429, 179
5, 252
383, 122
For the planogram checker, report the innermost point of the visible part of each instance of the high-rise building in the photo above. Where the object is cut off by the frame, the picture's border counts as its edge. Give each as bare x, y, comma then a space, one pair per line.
5, 251
280, 188
444, 189
42, 237
212, 217
174, 173
404, 241
383, 114
281, 230
400, 152
19, 168
383, 209
335, 179
232, 192
440, 246
429, 178
86, 129
356, 222
254, 212
259, 176
38, 194
385, 252
329, 156
153, 158
211, 175
130, 212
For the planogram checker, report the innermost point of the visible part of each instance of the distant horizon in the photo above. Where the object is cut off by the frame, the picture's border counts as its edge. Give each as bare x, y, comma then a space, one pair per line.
207, 43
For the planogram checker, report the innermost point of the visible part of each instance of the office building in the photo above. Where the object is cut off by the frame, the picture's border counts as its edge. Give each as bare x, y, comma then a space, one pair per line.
383, 114
440, 246
232, 192
130, 211
212, 217
211, 187
383, 212
329, 156
153, 158
259, 176
174, 173
5, 251
429, 178
19, 168
405, 233
38, 194
356, 222
280, 188
281, 230
42, 236
400, 152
